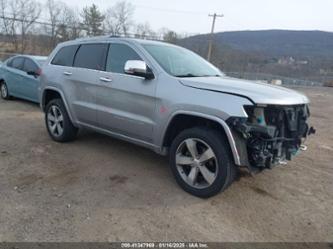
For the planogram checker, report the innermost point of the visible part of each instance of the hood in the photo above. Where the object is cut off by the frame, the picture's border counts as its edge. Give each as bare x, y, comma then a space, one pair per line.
259, 93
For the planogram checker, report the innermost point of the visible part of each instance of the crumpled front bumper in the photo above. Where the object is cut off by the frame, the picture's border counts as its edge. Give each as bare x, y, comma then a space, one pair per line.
271, 135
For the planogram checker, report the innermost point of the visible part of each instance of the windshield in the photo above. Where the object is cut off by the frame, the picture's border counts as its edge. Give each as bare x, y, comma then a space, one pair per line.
181, 62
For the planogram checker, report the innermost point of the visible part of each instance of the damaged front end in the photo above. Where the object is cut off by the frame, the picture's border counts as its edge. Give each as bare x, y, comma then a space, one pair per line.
271, 134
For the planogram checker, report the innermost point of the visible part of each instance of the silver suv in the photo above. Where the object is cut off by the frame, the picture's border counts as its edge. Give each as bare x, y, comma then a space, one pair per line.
175, 103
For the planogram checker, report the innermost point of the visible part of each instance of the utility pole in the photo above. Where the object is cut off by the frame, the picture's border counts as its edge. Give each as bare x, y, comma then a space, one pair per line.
212, 35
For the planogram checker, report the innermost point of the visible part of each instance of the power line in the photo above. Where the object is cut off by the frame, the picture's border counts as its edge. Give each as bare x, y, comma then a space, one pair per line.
212, 35
42, 22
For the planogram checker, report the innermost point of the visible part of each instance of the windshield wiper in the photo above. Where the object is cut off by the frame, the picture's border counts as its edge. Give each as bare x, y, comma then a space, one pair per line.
189, 75
212, 75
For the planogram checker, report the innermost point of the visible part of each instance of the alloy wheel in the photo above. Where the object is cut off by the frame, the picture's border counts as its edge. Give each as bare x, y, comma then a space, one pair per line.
196, 163
55, 121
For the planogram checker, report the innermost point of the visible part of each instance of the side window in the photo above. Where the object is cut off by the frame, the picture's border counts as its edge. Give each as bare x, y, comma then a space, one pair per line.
18, 63
10, 63
65, 56
91, 56
118, 55
29, 66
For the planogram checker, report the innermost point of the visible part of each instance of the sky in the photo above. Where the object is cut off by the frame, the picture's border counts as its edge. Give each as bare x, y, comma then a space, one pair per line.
191, 16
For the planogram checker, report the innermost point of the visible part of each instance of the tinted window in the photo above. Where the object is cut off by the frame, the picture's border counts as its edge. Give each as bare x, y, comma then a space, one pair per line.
65, 56
29, 66
91, 56
10, 63
18, 63
118, 55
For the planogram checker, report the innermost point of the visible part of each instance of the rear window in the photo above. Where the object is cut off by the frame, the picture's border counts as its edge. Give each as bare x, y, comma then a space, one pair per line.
29, 66
65, 56
91, 56
18, 63
10, 63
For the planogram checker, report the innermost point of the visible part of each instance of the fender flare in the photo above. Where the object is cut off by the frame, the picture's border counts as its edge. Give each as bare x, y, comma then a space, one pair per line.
42, 102
224, 125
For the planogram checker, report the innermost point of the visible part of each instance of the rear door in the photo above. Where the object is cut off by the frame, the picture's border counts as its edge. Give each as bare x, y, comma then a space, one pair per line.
125, 103
89, 63
30, 83
15, 76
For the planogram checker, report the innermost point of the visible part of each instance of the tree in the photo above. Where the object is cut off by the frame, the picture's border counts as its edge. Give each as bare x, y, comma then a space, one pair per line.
170, 36
18, 18
93, 20
145, 31
119, 18
70, 26
8, 25
55, 10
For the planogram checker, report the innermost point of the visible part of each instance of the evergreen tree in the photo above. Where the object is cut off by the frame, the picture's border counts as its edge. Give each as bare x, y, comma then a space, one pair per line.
93, 20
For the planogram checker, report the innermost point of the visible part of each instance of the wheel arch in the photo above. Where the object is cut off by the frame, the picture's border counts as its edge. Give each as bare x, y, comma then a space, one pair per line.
51, 93
176, 124
2, 79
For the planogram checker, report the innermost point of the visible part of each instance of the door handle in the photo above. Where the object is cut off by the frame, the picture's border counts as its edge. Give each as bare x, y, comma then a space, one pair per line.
68, 73
105, 79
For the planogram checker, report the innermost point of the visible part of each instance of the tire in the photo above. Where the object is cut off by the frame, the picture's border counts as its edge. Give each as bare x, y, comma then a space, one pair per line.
58, 123
4, 91
221, 169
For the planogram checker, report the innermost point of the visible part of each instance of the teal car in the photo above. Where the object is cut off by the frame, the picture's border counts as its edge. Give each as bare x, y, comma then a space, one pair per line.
19, 77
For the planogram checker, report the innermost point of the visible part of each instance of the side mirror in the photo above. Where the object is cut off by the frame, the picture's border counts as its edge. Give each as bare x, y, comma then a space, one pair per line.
34, 73
138, 68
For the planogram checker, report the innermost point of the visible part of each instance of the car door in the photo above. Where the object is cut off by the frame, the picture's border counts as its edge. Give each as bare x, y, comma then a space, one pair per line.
30, 83
14, 76
125, 103
58, 74
89, 63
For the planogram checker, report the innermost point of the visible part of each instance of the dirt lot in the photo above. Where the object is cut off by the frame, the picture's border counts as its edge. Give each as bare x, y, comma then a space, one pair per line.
101, 189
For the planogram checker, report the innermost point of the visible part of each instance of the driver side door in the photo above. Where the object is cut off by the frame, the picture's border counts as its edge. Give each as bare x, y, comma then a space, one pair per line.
125, 103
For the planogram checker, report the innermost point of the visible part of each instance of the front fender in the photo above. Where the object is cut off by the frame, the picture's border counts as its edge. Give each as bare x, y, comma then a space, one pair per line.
220, 121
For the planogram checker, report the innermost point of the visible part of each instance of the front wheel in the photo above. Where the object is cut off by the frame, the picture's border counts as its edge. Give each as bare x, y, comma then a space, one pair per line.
201, 162
58, 123
4, 91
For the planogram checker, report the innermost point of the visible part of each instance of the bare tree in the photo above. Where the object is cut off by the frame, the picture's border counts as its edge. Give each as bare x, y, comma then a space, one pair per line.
18, 16
29, 12
55, 10
145, 31
168, 35
119, 18
70, 26
9, 22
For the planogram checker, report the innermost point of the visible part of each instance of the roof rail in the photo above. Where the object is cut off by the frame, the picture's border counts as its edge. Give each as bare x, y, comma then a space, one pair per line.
92, 37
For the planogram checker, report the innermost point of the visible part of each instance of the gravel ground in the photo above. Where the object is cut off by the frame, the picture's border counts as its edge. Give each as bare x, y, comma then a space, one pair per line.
101, 189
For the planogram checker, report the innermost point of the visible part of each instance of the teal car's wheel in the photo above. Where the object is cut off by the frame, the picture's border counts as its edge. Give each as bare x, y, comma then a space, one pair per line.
4, 91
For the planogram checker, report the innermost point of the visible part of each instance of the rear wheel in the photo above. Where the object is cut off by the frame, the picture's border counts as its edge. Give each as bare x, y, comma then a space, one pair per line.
58, 123
4, 91
201, 162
